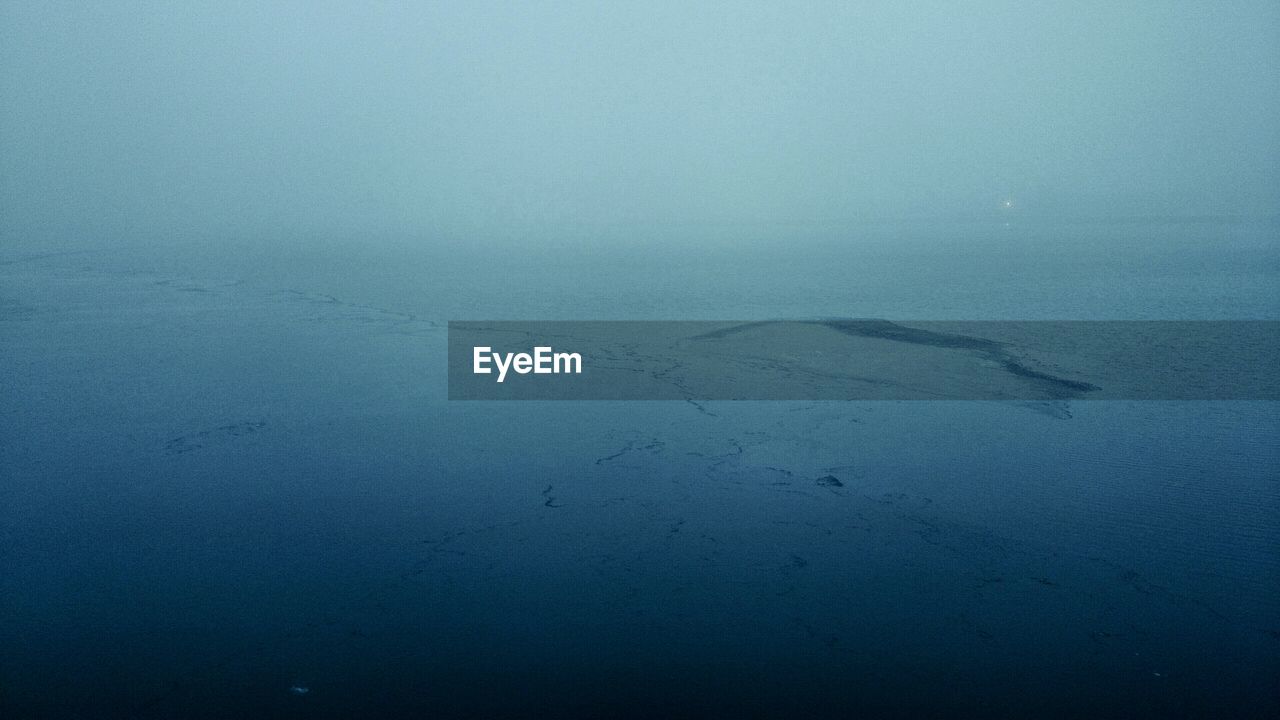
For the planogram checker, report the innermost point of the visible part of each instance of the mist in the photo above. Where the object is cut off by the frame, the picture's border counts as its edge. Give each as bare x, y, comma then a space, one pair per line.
908, 359
474, 121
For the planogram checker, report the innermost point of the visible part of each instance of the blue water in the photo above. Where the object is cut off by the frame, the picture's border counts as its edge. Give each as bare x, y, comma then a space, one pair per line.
229, 472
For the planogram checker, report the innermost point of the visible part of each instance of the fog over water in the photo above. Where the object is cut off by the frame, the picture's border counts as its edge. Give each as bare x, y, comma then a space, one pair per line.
538, 121
231, 237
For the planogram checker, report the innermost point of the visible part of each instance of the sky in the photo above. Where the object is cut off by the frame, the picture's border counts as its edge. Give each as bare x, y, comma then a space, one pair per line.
477, 119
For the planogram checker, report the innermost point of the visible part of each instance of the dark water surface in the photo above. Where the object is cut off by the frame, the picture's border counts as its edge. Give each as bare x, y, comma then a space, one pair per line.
232, 487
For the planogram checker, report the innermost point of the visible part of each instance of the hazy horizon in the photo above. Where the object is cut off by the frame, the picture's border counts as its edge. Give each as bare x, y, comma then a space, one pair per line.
237, 239
439, 121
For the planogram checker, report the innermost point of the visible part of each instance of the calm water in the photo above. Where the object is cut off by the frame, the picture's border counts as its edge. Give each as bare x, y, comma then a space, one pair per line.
232, 487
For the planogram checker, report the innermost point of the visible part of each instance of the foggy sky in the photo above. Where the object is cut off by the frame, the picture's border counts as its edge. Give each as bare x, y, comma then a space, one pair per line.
484, 119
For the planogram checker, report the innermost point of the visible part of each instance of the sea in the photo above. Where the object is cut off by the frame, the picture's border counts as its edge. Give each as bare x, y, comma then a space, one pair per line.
232, 486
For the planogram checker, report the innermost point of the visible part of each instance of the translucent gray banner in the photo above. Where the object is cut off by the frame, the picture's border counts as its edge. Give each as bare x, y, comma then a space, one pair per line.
840, 359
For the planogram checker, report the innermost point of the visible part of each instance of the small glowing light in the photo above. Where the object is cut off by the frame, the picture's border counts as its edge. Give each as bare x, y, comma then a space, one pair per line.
1007, 204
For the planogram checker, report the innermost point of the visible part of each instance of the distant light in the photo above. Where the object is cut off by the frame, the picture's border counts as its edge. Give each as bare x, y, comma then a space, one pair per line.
1007, 204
